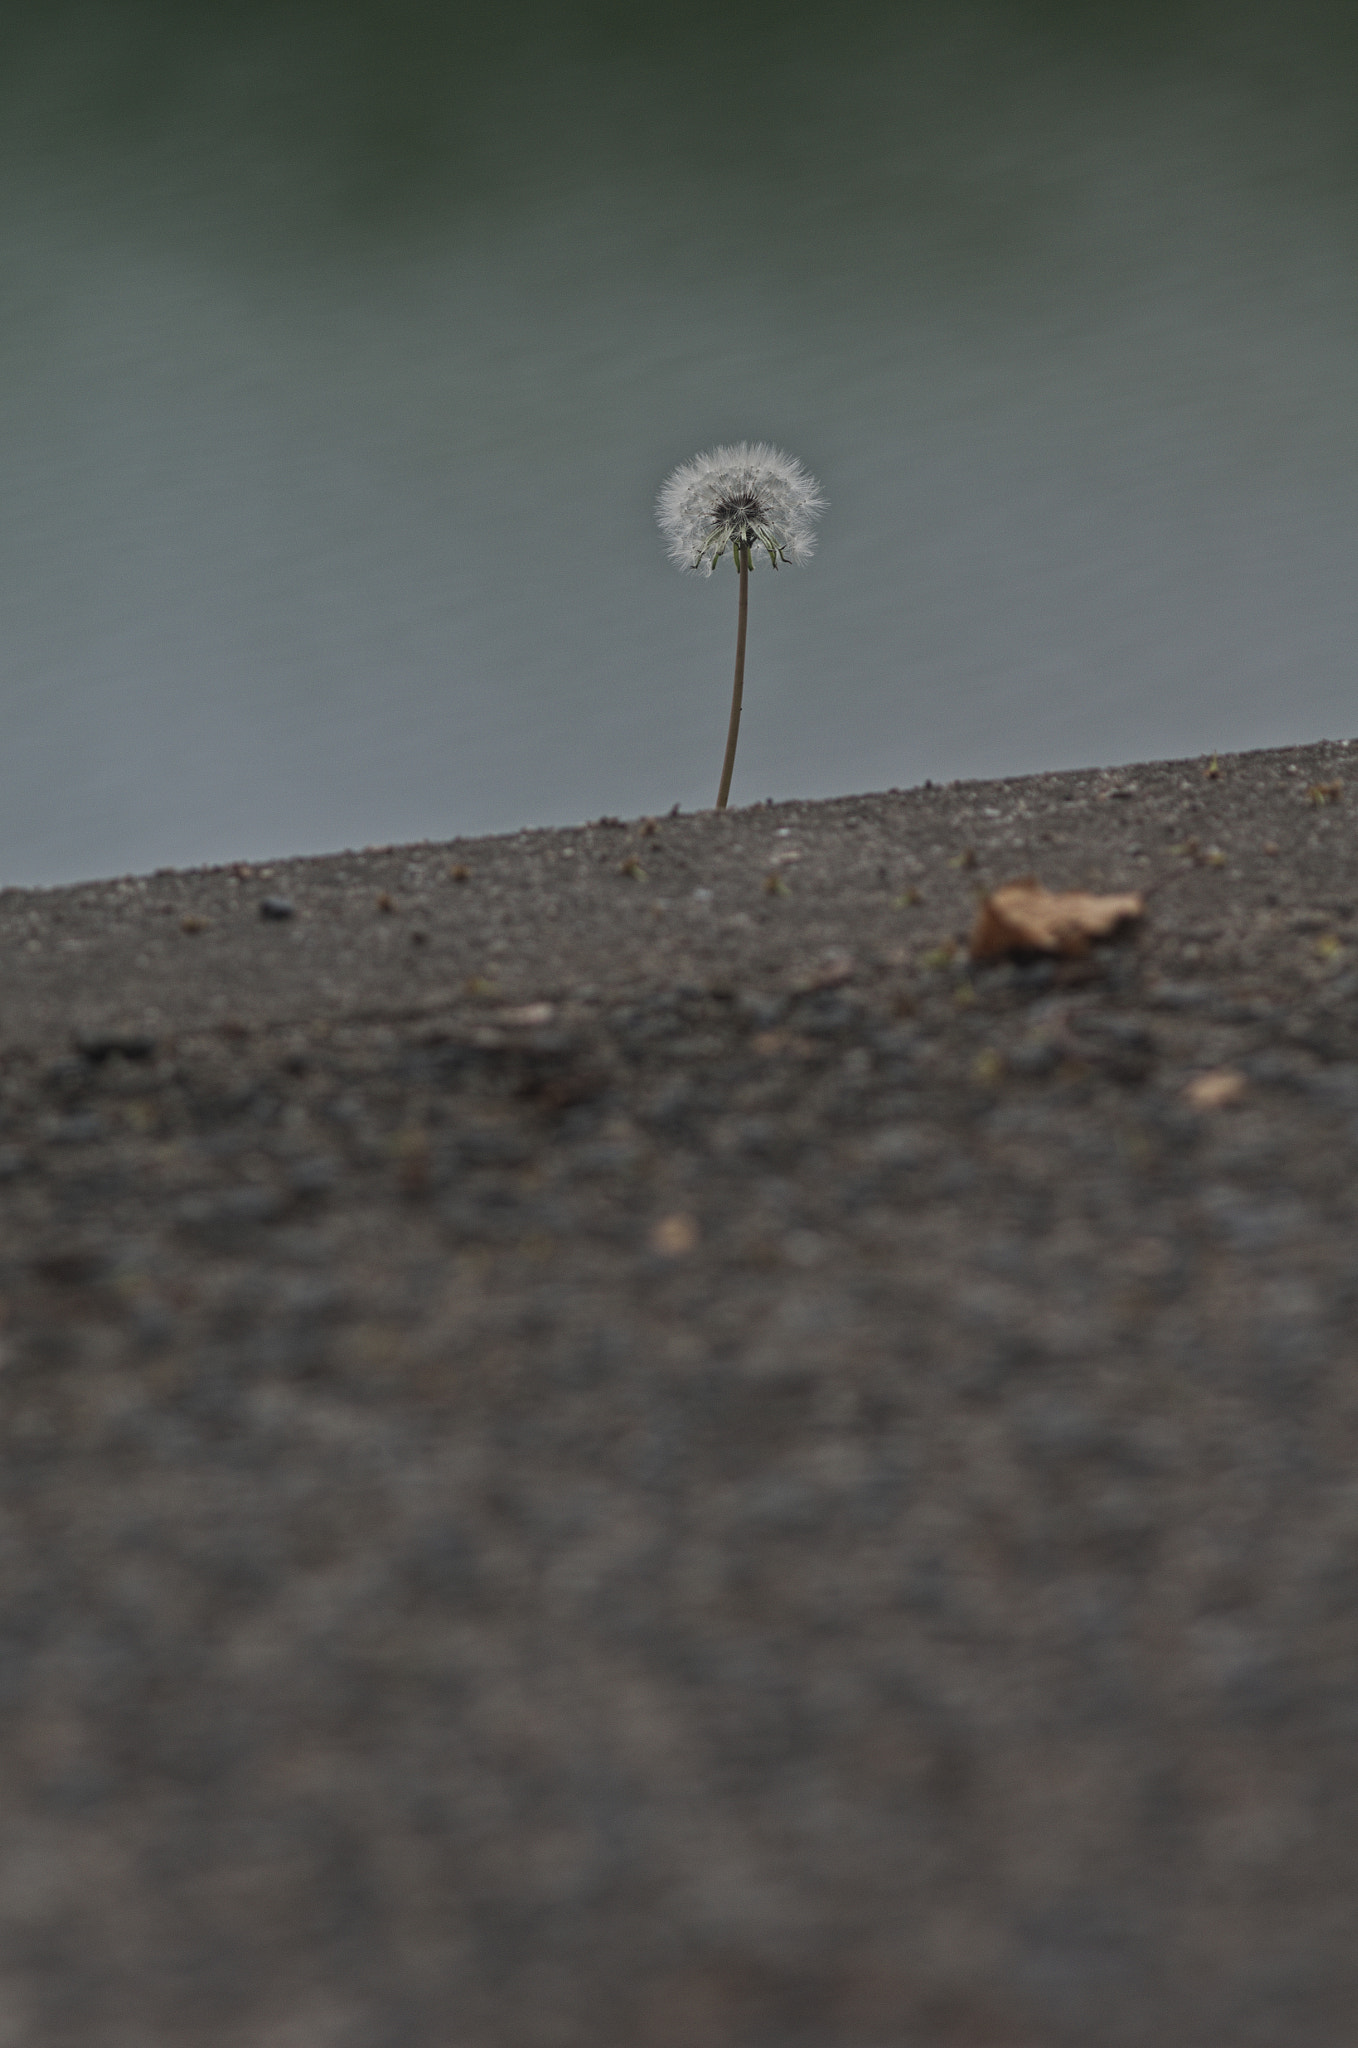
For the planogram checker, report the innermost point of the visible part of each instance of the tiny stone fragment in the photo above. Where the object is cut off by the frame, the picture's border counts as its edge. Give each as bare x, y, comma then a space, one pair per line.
674, 1237
1215, 1090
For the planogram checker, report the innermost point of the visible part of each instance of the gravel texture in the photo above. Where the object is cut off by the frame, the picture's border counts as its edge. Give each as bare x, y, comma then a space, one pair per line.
606, 1444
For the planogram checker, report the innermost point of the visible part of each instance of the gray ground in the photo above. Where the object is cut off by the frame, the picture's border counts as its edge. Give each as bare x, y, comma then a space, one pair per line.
804, 1496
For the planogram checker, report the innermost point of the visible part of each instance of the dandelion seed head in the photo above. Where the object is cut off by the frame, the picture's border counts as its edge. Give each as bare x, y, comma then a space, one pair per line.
745, 495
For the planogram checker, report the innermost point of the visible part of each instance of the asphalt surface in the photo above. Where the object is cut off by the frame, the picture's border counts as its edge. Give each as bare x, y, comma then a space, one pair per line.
605, 1442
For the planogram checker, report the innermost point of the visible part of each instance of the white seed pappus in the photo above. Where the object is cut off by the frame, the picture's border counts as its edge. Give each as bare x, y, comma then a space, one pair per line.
747, 495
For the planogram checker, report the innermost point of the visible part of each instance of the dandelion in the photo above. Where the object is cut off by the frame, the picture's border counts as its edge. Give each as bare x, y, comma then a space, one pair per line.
754, 501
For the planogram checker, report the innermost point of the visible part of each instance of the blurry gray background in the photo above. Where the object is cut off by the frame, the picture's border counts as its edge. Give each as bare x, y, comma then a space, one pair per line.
345, 346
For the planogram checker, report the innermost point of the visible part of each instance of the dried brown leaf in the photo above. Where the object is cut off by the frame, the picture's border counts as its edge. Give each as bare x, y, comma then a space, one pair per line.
1023, 917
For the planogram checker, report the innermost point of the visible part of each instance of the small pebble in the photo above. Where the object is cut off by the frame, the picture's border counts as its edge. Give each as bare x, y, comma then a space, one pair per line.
674, 1237
97, 1046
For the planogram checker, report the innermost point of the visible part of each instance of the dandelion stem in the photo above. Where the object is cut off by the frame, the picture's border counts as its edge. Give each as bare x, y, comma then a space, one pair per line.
742, 551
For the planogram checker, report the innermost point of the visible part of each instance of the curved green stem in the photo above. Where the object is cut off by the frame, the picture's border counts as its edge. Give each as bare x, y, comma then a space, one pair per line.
738, 688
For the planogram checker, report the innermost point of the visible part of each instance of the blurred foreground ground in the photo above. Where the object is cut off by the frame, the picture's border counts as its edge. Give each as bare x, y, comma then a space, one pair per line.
617, 1449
